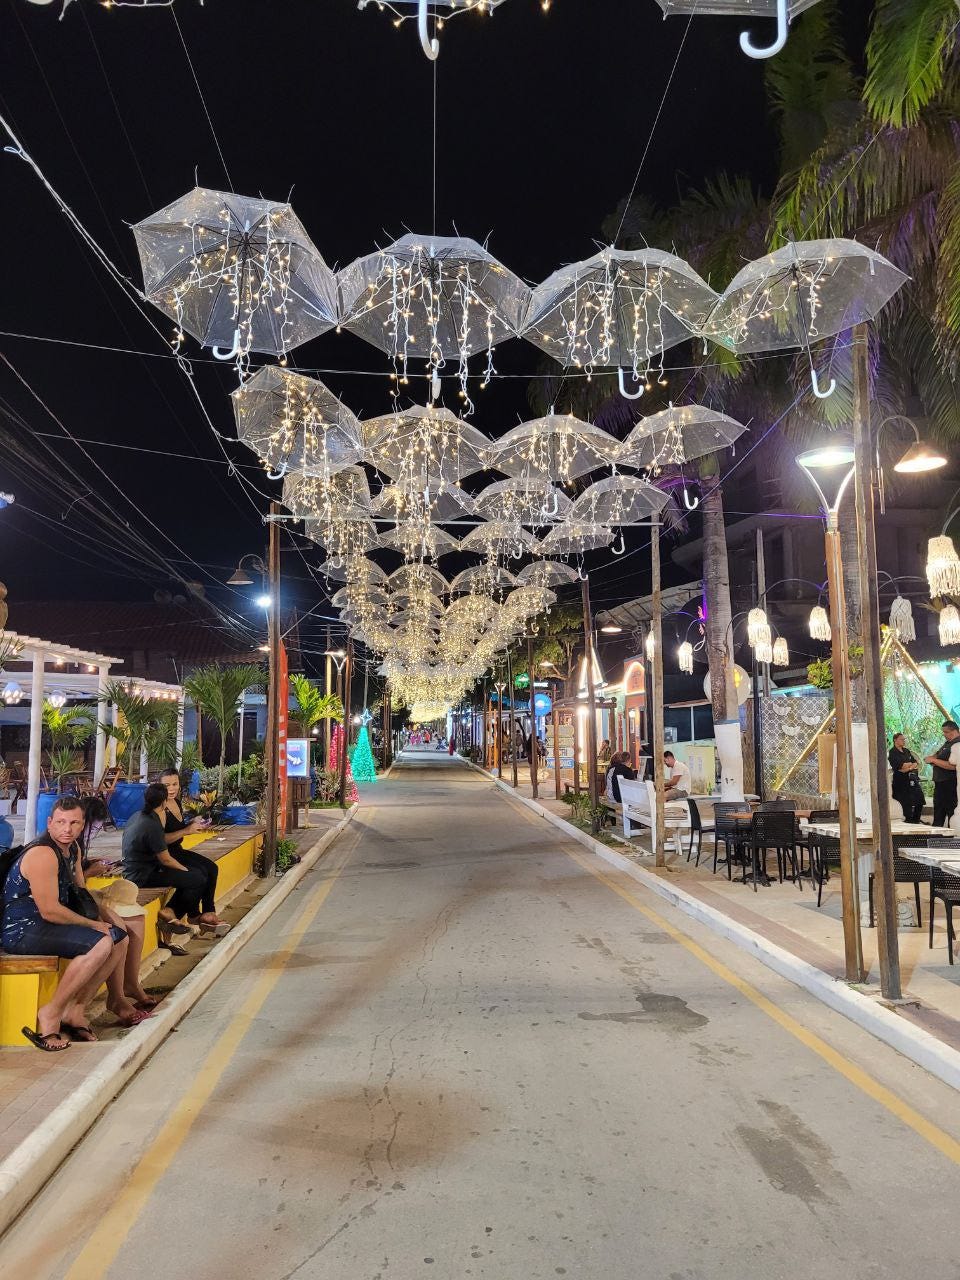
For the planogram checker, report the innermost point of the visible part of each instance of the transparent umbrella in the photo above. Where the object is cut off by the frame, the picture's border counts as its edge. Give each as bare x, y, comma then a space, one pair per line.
546, 573
418, 577
525, 499
343, 539
618, 500
573, 536
424, 540
783, 10
295, 423
412, 445
804, 292
436, 298
620, 307
354, 569
316, 497
678, 435
557, 447
237, 273
424, 10
488, 577
506, 539
438, 500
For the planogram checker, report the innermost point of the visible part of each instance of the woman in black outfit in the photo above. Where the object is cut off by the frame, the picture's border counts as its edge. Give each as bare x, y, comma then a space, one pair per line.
906, 782
175, 828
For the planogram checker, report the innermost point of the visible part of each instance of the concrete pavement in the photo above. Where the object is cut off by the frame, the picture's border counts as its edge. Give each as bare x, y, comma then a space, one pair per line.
465, 1047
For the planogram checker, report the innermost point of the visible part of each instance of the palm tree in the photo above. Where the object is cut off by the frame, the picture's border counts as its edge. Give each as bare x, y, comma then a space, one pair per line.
311, 705
145, 724
216, 691
68, 726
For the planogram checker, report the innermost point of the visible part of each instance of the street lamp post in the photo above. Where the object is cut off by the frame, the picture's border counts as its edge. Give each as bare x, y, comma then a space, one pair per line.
830, 469
534, 749
656, 663
347, 681
591, 707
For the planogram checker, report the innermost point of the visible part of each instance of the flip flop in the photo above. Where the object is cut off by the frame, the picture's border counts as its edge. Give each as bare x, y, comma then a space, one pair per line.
148, 1004
133, 1019
173, 926
83, 1035
41, 1040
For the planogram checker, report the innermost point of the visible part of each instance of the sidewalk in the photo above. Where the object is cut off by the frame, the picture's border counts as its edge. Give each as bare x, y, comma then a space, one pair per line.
32, 1084
788, 917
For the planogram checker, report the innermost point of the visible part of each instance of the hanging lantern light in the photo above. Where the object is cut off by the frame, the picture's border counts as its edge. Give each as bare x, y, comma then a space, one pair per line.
685, 657
12, 693
781, 654
949, 625
819, 623
758, 629
901, 620
763, 651
650, 645
943, 567
57, 699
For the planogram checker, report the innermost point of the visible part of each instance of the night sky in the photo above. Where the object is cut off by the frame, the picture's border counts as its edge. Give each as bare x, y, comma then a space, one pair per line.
542, 120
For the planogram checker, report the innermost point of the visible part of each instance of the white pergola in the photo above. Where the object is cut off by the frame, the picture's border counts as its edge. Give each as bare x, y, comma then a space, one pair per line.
79, 674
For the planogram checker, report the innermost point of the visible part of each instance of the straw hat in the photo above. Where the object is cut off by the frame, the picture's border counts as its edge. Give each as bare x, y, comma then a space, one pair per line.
121, 897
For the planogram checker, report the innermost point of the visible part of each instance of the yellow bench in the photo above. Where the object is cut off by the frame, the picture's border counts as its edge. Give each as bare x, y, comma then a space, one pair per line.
27, 982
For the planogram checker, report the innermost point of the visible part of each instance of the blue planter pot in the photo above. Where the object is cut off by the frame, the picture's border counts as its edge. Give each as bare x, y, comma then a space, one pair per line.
45, 802
126, 800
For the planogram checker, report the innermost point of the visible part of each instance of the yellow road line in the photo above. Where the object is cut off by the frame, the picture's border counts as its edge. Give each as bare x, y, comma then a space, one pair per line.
943, 1142
97, 1255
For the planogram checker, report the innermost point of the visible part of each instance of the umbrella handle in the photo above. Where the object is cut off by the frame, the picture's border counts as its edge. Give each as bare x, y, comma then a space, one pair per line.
430, 47
628, 395
623, 546
691, 506
278, 475
220, 354
818, 391
757, 51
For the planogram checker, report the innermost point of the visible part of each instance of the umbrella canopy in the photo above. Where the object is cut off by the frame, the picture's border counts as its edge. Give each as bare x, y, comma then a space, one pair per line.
504, 538
799, 294
783, 10
438, 500
618, 500
557, 447
355, 569
546, 573
620, 307
236, 273
295, 423
424, 540
526, 500
433, 297
572, 536
678, 435
420, 442
345, 495
342, 538
486, 576
418, 577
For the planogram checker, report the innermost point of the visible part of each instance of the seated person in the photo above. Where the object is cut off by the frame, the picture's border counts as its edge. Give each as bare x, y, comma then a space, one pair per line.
677, 779
149, 864
118, 905
618, 769
175, 828
37, 920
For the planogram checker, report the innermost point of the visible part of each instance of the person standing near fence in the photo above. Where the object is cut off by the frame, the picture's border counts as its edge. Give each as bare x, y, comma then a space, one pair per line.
945, 776
906, 788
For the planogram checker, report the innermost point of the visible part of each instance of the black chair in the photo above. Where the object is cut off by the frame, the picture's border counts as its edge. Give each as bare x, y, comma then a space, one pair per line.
946, 887
777, 806
773, 829
905, 871
824, 853
728, 830
697, 828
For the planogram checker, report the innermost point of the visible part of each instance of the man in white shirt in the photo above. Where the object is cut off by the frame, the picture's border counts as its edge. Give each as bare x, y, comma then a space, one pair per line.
677, 779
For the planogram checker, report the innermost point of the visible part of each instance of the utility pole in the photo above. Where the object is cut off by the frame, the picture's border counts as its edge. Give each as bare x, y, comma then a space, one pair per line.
656, 610
347, 681
865, 480
513, 728
591, 705
534, 749
329, 689
272, 744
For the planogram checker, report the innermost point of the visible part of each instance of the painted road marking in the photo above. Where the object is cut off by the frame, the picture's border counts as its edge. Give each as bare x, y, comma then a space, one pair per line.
97, 1256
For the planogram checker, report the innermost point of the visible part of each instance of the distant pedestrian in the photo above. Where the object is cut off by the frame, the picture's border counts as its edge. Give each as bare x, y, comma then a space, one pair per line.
906, 787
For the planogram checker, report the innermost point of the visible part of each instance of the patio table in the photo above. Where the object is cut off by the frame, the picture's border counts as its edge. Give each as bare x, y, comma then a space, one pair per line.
945, 859
864, 830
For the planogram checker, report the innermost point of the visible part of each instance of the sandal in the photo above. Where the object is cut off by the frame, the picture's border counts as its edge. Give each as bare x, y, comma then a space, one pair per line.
82, 1034
133, 1019
42, 1041
173, 926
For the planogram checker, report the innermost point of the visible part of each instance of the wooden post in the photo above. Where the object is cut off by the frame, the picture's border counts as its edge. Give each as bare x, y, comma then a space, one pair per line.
576, 751
347, 681
513, 729
327, 724
272, 744
555, 715
485, 728
866, 487
534, 749
591, 704
498, 733
852, 941
656, 746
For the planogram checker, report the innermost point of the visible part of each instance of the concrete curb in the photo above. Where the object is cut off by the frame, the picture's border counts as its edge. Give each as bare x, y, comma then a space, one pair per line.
27, 1168
913, 1042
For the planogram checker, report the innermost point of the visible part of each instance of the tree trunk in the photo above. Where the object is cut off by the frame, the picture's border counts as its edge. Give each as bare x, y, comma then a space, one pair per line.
720, 654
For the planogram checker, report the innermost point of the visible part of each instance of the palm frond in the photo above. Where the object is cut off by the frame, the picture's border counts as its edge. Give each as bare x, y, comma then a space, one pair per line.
948, 269
312, 705
911, 44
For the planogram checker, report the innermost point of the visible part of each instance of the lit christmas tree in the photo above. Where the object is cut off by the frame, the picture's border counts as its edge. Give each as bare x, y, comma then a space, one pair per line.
362, 762
351, 795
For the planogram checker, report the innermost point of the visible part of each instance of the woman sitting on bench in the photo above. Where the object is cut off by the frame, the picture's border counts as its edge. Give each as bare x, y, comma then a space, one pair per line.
149, 863
176, 827
618, 769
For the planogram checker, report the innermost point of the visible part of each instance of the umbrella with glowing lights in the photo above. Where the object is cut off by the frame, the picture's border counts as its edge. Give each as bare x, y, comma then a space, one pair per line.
294, 423
557, 447
677, 435
238, 273
783, 10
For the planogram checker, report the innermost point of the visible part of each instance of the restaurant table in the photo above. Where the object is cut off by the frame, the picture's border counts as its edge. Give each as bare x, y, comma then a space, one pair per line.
864, 830
945, 859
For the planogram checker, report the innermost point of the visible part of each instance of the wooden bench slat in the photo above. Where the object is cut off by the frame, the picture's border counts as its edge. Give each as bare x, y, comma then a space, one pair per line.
28, 964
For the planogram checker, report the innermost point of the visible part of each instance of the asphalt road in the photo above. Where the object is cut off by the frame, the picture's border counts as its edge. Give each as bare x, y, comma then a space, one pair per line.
467, 1047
